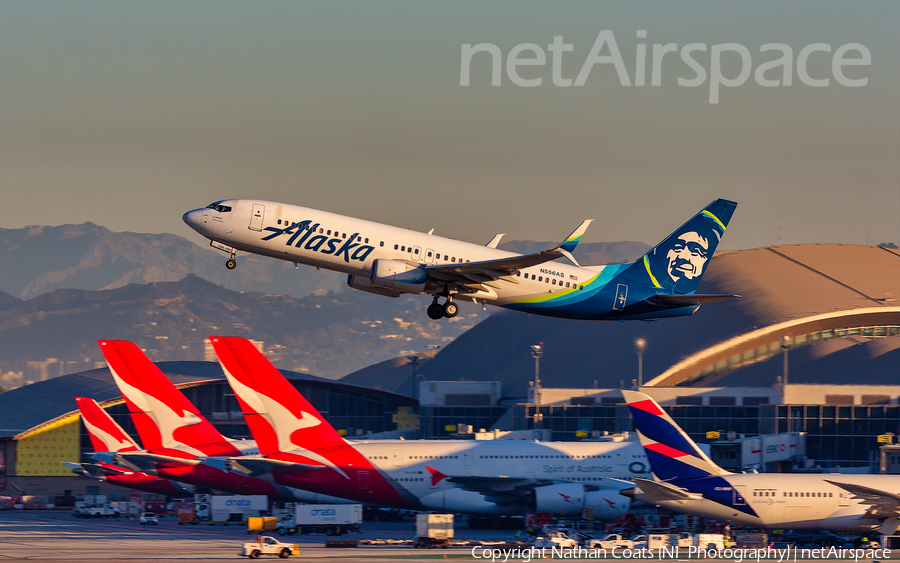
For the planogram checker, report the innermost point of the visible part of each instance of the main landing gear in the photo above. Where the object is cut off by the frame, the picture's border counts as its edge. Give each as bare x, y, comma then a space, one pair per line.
448, 309
231, 263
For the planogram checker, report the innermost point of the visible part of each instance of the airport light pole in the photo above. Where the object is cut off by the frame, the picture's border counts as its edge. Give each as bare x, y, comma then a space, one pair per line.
786, 344
537, 350
639, 346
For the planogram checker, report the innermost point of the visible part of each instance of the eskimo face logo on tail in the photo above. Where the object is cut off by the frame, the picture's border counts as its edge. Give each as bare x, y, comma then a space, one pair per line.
302, 232
688, 256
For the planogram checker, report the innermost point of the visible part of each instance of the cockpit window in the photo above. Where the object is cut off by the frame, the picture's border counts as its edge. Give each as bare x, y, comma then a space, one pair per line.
219, 208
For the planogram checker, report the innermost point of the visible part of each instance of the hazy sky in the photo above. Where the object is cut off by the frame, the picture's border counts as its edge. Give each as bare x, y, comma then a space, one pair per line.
129, 113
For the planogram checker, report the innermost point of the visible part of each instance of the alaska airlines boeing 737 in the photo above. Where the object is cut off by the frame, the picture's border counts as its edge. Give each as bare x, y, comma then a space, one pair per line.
688, 481
391, 261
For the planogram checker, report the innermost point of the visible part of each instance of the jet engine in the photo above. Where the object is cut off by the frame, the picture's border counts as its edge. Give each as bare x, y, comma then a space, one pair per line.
607, 504
399, 275
563, 500
365, 284
570, 499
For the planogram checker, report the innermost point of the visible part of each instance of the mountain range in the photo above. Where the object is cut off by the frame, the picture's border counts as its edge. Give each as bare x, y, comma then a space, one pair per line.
37, 260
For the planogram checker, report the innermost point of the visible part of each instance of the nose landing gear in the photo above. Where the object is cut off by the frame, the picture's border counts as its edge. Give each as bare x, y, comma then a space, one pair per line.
449, 309
231, 263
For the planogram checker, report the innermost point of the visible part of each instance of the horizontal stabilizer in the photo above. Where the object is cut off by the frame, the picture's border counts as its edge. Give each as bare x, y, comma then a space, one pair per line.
695, 299
94, 470
655, 491
144, 461
255, 466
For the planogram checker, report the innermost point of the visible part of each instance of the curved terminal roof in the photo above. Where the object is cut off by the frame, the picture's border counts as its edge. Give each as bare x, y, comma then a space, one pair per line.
715, 362
50, 402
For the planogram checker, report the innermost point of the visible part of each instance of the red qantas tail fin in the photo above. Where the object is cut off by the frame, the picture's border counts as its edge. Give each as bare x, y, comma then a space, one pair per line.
162, 414
105, 433
279, 417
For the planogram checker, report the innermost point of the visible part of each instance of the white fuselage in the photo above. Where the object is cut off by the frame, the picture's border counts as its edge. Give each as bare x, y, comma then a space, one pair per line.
349, 245
787, 500
486, 477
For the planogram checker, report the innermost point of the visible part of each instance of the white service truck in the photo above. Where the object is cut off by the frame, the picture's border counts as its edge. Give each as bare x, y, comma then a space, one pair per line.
555, 539
222, 508
331, 519
434, 530
611, 541
267, 545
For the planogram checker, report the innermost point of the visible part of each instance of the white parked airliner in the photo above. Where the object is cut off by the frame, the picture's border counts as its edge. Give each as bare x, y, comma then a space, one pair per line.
688, 481
391, 261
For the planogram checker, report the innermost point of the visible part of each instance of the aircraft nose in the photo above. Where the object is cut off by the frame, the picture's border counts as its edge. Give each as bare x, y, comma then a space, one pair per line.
192, 218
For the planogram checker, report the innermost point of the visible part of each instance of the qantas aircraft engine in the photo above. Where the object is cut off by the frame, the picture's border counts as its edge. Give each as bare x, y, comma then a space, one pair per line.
562, 500
607, 505
365, 284
399, 275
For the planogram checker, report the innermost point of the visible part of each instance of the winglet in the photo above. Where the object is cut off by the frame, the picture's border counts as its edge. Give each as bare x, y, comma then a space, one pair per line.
572, 240
567, 246
436, 476
495, 241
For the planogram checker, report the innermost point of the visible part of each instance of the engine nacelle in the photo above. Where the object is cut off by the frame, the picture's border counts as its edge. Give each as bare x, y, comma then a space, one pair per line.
365, 284
458, 500
399, 275
562, 500
607, 505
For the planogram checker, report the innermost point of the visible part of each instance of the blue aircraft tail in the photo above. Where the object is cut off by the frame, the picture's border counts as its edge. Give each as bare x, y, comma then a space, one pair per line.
673, 456
676, 264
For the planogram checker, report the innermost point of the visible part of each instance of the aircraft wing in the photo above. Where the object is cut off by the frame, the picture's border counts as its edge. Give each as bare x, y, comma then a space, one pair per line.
488, 271
93, 469
883, 504
655, 491
256, 466
695, 299
141, 461
499, 489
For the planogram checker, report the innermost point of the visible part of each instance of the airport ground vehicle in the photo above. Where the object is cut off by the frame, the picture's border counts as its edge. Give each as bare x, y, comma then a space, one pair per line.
612, 540
267, 545
261, 524
709, 541
96, 511
221, 509
149, 518
535, 522
332, 519
557, 539
751, 541
434, 530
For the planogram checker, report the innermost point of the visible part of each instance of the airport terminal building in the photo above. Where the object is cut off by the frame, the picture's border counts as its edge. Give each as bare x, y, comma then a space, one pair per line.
830, 310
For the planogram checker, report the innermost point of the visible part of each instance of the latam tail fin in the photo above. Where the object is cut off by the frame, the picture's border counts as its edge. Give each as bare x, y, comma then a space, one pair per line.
105, 433
279, 417
677, 264
163, 416
673, 456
